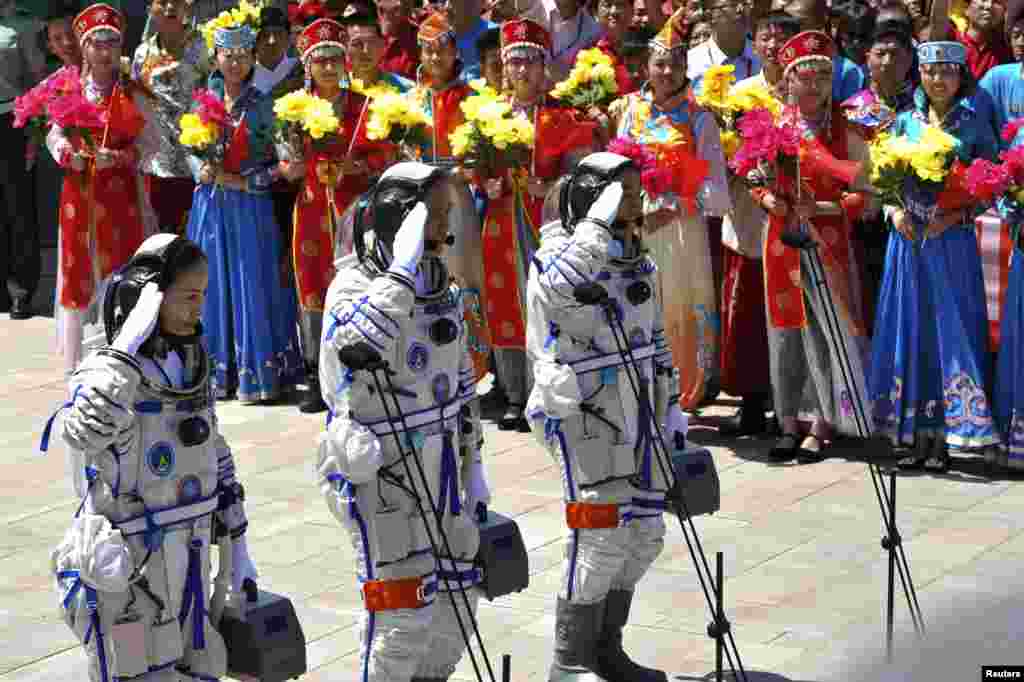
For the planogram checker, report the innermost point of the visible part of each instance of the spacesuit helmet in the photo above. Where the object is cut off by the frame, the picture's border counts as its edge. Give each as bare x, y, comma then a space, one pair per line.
159, 259
381, 213
586, 182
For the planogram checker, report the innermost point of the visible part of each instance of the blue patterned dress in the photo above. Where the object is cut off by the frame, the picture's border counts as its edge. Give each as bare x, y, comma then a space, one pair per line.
250, 312
928, 363
1008, 390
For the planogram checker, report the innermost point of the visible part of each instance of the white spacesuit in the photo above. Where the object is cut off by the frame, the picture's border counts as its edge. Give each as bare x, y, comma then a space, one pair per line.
155, 477
389, 297
585, 412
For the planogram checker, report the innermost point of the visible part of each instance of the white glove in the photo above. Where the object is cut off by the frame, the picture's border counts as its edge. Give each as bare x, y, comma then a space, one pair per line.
606, 207
476, 486
141, 321
242, 566
103, 559
348, 449
408, 247
675, 422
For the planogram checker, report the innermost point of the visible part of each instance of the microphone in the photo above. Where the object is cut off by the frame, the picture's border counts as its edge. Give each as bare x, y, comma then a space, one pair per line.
360, 356
590, 293
798, 240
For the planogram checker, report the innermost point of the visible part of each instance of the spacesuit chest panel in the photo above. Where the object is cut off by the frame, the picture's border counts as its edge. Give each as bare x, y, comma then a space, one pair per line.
427, 355
631, 292
177, 465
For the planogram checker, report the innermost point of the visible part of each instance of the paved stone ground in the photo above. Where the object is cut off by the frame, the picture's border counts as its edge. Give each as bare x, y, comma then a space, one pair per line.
805, 574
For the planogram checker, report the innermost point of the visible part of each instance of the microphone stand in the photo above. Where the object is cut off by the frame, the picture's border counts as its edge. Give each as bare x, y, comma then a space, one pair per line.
593, 293
361, 356
891, 541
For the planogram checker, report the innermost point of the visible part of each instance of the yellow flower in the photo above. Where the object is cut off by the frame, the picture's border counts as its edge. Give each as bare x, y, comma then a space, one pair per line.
462, 140
373, 91
730, 143
319, 118
481, 87
715, 86
390, 110
196, 134
292, 107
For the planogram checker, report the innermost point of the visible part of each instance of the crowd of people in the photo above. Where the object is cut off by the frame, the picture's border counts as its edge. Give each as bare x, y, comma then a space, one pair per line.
738, 316
624, 272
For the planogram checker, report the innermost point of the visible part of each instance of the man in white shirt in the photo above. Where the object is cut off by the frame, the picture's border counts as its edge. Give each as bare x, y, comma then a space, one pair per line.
728, 43
572, 29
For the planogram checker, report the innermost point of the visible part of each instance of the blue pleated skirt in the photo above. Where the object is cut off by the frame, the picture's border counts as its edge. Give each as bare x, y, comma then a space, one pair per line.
928, 366
249, 317
1009, 381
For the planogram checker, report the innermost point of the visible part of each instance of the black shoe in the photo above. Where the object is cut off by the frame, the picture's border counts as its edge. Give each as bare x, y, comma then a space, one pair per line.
810, 455
513, 419
613, 664
748, 421
785, 448
21, 309
312, 401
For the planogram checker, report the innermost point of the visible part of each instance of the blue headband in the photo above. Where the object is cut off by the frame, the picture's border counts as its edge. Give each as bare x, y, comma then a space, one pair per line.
241, 37
942, 52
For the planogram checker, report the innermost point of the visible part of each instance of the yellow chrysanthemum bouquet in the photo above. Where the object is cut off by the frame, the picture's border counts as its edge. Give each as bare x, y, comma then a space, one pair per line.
727, 103
246, 14
372, 91
492, 138
591, 83
397, 118
301, 114
931, 162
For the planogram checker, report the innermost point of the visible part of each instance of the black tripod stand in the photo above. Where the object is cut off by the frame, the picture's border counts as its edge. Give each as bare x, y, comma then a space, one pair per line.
362, 356
592, 293
891, 542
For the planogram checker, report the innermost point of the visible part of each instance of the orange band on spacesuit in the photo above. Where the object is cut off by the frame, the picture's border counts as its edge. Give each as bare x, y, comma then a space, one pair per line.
388, 595
584, 515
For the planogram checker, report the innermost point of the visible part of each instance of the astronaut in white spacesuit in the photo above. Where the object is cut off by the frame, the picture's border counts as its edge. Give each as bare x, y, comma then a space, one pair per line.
156, 479
393, 295
585, 412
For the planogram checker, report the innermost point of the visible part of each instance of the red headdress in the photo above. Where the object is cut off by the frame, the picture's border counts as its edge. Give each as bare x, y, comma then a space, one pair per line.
808, 46
98, 17
524, 33
321, 33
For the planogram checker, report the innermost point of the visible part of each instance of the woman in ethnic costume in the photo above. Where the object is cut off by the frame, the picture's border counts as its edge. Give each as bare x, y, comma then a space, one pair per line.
250, 309
1008, 392
511, 229
439, 94
102, 200
928, 361
661, 115
806, 376
346, 162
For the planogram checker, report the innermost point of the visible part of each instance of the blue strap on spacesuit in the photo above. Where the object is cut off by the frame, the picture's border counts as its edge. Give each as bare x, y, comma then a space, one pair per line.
44, 442
92, 603
193, 597
449, 488
345, 489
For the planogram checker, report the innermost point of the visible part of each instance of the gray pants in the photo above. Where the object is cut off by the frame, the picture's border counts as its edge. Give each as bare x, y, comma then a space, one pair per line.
806, 374
19, 234
513, 370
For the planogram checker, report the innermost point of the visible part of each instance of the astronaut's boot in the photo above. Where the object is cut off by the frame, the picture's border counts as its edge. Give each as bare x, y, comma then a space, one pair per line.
612, 662
577, 630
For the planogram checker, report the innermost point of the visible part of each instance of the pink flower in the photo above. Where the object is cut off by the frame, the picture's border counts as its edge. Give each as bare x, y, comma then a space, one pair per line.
73, 110
30, 105
1014, 160
987, 180
763, 140
209, 107
656, 180
1011, 128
